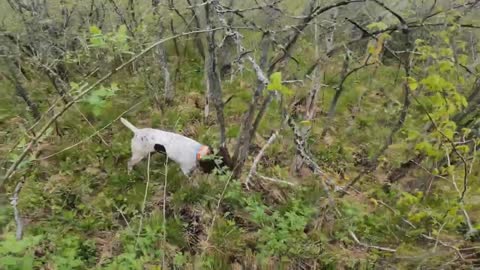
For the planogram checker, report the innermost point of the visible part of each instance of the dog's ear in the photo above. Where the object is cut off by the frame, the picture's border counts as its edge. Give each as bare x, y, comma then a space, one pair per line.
160, 148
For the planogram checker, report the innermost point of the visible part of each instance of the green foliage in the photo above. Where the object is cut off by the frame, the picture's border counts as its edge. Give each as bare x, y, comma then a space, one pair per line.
18, 254
117, 40
377, 26
282, 232
98, 98
96, 39
83, 211
276, 84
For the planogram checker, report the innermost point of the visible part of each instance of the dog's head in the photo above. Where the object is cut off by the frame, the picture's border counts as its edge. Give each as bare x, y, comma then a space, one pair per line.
211, 160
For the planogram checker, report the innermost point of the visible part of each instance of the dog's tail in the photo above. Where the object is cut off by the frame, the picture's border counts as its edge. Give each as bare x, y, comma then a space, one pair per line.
128, 125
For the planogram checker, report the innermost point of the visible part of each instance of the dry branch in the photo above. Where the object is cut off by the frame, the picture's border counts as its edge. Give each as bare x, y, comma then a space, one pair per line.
16, 213
299, 30
253, 169
274, 180
352, 234
307, 158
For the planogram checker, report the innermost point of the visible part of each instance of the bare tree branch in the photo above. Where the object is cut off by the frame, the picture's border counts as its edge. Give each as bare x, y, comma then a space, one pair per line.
122, 18
253, 169
14, 203
298, 30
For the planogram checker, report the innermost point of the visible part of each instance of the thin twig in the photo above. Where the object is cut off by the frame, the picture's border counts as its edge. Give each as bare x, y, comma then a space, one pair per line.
471, 229
144, 200
397, 213
352, 234
218, 205
274, 180
123, 215
438, 236
307, 157
253, 169
164, 212
454, 147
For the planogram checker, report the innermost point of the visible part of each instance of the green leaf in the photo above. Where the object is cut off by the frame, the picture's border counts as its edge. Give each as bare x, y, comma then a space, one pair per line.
445, 65
412, 83
463, 59
285, 91
463, 148
435, 82
27, 262
97, 39
377, 26
275, 81
306, 123
74, 85
276, 84
114, 87
426, 148
120, 38
94, 100
94, 30
9, 260
179, 259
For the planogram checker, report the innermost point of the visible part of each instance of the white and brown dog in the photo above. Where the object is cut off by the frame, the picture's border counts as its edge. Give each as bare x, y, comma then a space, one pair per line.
188, 153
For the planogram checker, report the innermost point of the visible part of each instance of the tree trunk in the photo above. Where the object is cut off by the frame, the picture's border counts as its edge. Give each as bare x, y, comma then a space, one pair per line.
169, 91
213, 80
22, 92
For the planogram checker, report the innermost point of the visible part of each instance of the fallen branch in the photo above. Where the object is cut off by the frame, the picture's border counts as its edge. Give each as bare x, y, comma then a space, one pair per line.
274, 180
352, 234
253, 170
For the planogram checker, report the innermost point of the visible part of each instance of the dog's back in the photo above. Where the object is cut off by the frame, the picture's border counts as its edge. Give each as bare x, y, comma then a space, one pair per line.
178, 148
